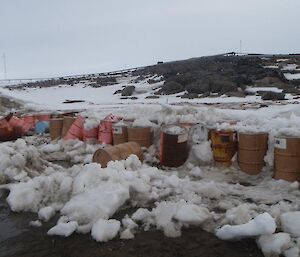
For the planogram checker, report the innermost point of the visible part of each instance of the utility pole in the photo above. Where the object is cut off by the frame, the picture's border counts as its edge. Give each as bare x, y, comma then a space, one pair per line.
240, 46
4, 66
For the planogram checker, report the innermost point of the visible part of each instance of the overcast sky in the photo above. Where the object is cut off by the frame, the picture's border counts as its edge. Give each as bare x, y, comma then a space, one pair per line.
43, 38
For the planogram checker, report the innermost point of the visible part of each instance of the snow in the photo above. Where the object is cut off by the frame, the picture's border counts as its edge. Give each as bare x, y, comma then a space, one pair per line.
256, 89
202, 153
63, 229
290, 222
192, 214
142, 122
46, 213
292, 252
92, 204
263, 224
105, 230
86, 197
103, 97
126, 234
291, 76
35, 223
274, 244
290, 67
175, 130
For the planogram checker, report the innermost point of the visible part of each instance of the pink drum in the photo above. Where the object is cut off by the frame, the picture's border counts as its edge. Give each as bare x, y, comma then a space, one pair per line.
43, 117
76, 129
29, 122
105, 135
90, 136
17, 123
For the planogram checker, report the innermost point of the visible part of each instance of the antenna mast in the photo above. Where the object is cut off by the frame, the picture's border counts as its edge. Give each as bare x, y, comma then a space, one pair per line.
240, 46
4, 66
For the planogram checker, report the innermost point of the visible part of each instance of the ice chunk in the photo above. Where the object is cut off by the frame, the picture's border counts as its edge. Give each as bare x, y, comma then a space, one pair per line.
105, 230
46, 213
239, 215
262, 224
203, 151
24, 197
274, 244
292, 252
100, 202
127, 234
63, 229
173, 181
141, 214
35, 223
192, 214
163, 215
196, 172
290, 223
129, 223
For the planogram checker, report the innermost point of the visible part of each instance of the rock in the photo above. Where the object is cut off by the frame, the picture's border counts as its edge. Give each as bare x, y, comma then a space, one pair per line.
236, 94
272, 96
198, 87
171, 87
190, 96
291, 90
151, 97
128, 91
206, 94
118, 92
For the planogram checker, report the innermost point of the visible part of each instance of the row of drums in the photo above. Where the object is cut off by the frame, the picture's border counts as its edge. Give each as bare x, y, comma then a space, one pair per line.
251, 149
173, 144
111, 133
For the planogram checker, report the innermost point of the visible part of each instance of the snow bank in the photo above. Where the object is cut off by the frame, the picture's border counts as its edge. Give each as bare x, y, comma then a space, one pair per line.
273, 245
105, 230
206, 196
290, 223
192, 214
46, 213
291, 76
19, 161
93, 204
63, 229
170, 217
261, 225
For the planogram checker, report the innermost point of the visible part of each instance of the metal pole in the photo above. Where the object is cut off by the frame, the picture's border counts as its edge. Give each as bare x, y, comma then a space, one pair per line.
4, 65
240, 46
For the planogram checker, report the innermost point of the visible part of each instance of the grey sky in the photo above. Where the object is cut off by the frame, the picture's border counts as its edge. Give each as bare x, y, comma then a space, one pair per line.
60, 37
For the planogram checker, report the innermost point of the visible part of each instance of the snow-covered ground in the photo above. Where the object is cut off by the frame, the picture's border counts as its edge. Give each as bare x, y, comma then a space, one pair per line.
291, 76
53, 97
224, 201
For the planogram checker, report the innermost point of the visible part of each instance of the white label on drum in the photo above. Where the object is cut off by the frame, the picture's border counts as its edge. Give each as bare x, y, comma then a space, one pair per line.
117, 130
280, 143
182, 138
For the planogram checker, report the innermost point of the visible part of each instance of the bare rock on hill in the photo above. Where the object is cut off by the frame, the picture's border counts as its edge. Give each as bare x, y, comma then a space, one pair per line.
236, 94
171, 87
152, 97
272, 96
198, 87
190, 96
128, 91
